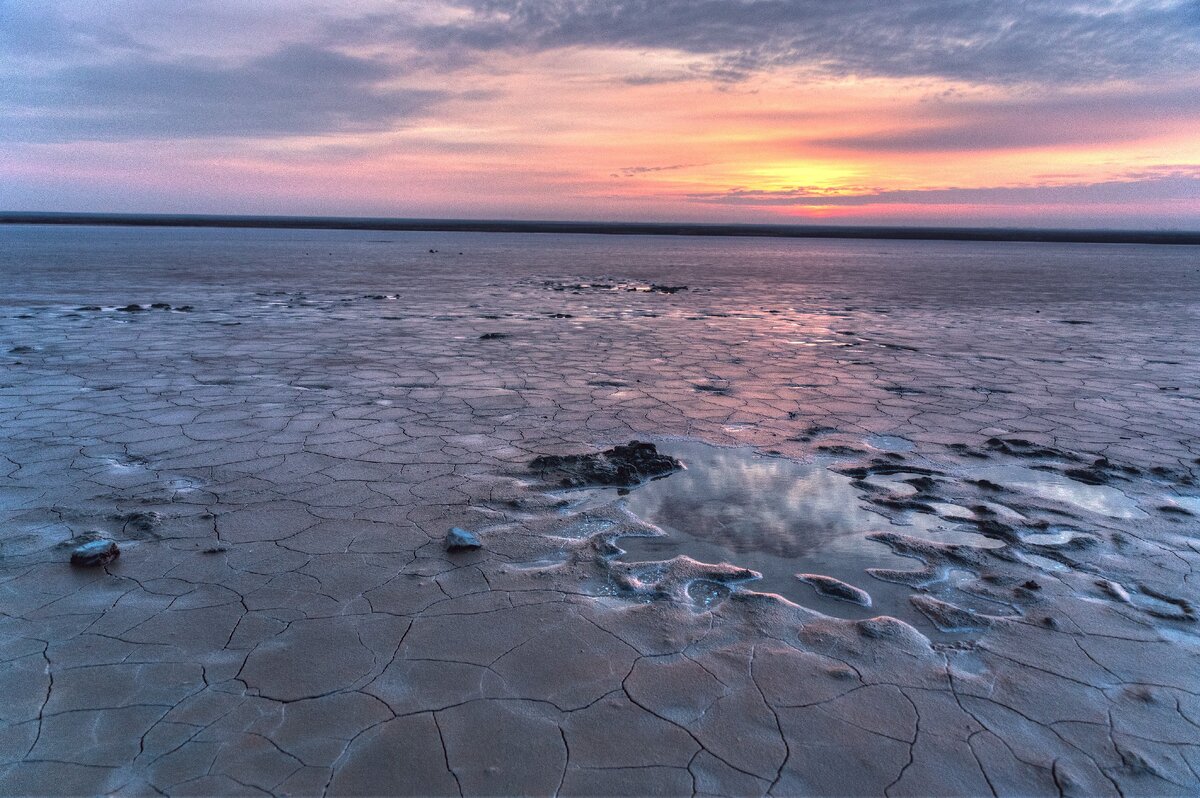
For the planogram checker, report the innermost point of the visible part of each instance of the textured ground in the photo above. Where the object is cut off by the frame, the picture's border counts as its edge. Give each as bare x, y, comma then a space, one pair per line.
281, 462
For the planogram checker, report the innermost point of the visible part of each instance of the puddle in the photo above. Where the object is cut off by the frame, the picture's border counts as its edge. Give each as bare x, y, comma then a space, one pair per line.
1099, 499
778, 517
1057, 537
1189, 503
184, 485
1038, 561
889, 443
956, 535
585, 527
948, 510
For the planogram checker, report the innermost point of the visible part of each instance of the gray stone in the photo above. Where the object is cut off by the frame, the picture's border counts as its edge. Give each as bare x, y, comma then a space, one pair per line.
458, 539
95, 552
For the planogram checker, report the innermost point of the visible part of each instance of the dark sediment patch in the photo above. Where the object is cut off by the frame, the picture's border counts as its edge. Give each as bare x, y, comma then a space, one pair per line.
839, 450
1019, 447
621, 466
140, 523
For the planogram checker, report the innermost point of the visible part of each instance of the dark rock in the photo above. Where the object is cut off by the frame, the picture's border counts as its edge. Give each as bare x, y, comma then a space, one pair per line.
160, 306
461, 540
1088, 476
184, 308
91, 308
131, 308
985, 484
813, 429
492, 336
97, 552
20, 350
881, 468
906, 505
841, 451
621, 466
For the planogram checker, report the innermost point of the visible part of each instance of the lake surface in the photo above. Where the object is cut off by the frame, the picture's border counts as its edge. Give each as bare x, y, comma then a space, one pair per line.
917, 273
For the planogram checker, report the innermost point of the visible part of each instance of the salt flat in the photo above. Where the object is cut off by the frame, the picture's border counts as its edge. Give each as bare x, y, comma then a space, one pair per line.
280, 453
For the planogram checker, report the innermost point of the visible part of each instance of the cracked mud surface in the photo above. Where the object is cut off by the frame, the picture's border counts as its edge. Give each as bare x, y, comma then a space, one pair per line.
281, 462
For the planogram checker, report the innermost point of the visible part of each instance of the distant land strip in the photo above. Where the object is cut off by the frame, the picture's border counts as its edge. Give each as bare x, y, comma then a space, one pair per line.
610, 228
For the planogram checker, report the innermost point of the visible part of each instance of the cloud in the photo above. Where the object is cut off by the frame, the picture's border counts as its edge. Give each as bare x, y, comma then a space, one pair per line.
633, 171
983, 41
1167, 185
133, 69
1053, 119
294, 90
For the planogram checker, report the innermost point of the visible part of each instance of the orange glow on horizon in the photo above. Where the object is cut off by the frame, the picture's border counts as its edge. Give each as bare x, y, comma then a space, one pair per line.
587, 144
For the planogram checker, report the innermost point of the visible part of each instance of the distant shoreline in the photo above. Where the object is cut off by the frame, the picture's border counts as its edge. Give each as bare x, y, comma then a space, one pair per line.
1187, 238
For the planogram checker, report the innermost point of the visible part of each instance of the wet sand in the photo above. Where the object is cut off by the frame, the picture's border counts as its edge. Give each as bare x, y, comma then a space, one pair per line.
280, 463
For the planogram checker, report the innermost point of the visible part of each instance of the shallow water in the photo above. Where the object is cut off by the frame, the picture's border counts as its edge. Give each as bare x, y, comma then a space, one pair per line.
779, 517
1051, 485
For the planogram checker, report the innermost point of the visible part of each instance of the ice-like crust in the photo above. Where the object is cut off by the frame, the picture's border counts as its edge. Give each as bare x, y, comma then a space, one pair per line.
291, 623
836, 588
951, 618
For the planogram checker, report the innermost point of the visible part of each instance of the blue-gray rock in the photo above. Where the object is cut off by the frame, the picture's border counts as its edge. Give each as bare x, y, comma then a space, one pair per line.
461, 540
95, 552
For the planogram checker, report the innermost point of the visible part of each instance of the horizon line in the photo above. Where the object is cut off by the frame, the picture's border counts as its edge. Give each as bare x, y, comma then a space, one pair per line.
718, 229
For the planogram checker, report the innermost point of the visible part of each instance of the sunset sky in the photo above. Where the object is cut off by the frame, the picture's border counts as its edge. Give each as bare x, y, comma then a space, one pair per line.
974, 112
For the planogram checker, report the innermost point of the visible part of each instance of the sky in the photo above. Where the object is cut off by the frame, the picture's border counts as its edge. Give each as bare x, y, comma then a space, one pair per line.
946, 112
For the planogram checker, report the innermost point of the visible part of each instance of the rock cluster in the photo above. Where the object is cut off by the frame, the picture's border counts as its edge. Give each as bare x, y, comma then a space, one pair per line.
621, 466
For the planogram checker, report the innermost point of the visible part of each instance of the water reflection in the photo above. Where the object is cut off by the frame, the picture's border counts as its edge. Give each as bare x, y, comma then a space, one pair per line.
777, 517
743, 502
1052, 485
